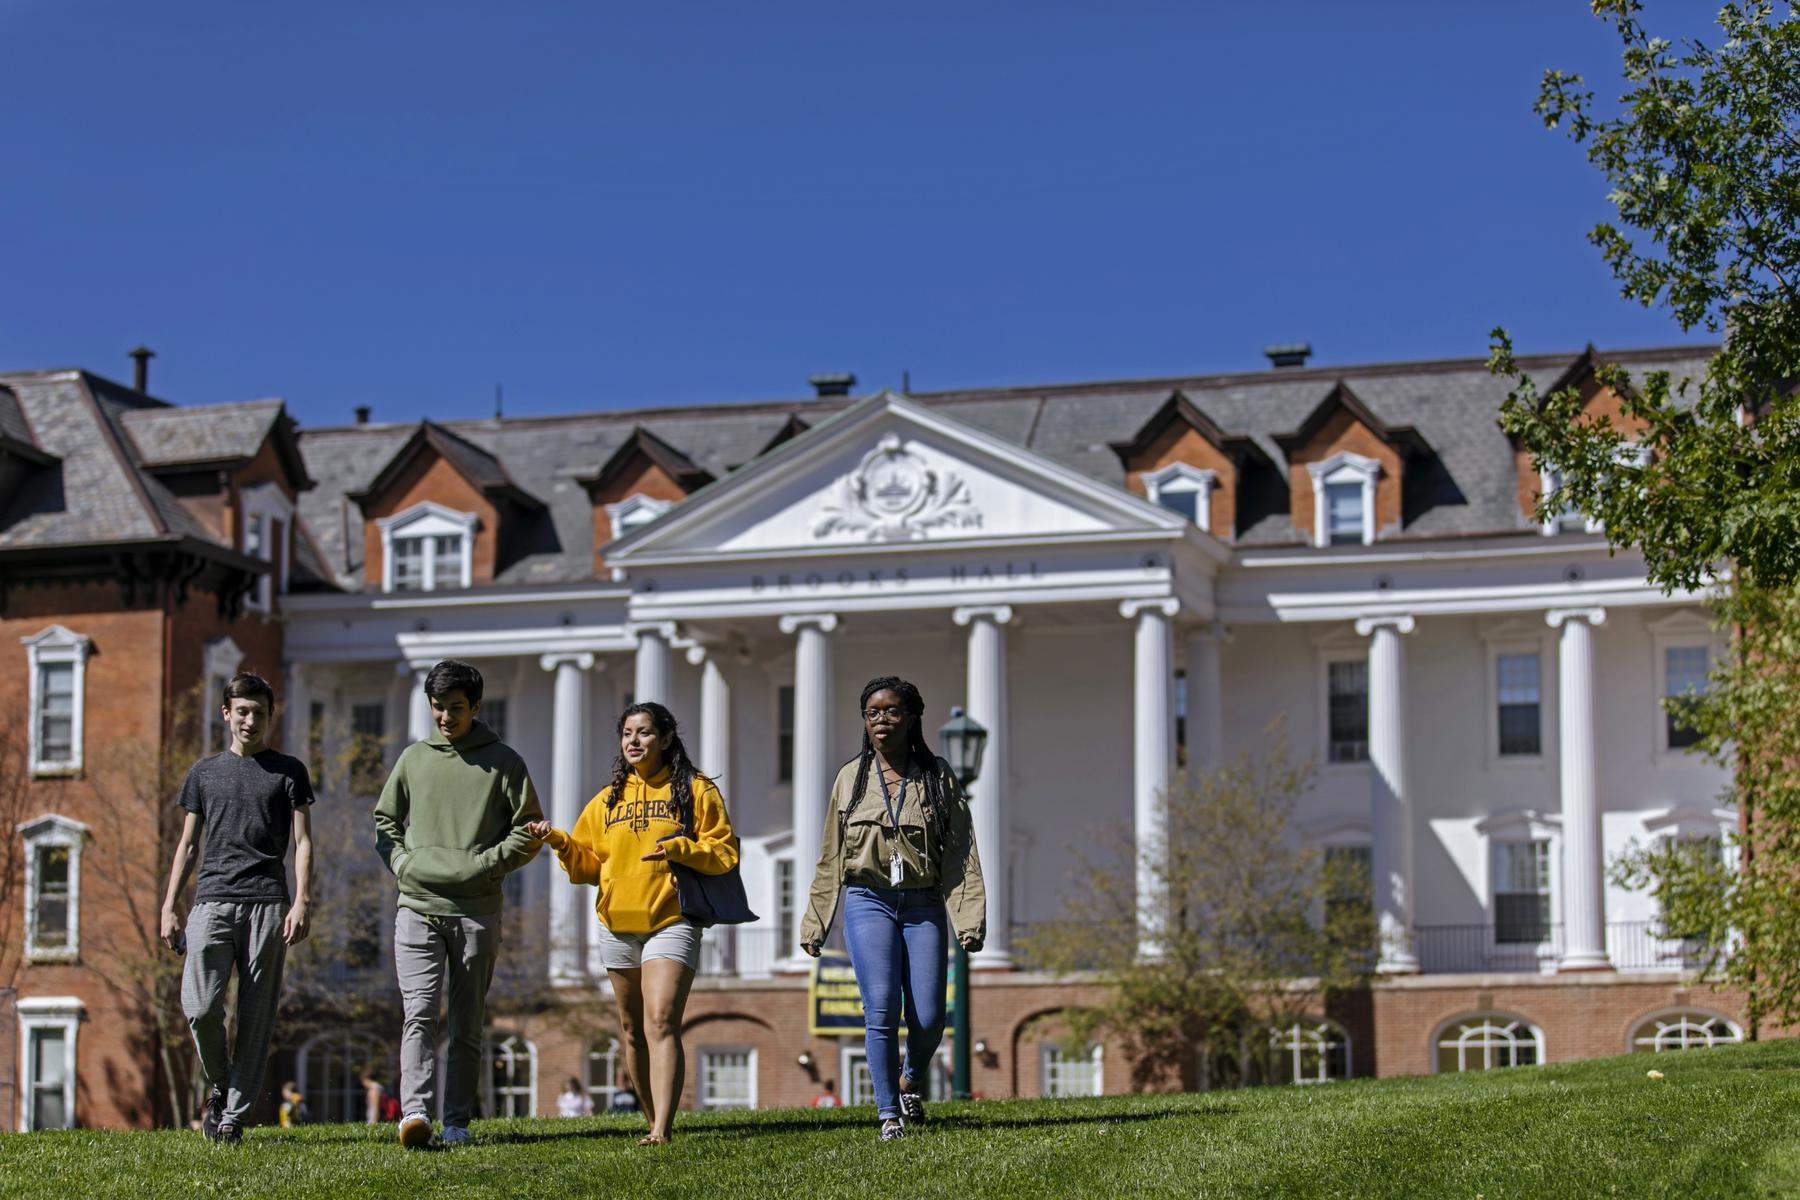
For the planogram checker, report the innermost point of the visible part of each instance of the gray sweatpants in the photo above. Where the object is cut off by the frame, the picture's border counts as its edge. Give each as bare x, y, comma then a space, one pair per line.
222, 935
433, 955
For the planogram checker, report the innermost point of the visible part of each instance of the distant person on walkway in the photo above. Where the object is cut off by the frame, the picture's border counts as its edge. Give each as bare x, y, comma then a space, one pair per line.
379, 1104
901, 849
293, 1106
450, 825
624, 841
624, 1101
242, 808
574, 1100
827, 1097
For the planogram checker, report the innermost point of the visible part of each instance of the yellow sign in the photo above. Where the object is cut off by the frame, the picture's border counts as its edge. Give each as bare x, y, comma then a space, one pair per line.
833, 1002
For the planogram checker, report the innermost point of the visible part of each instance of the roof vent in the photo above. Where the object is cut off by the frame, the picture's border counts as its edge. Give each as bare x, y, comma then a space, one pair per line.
833, 384
140, 377
1289, 354
362, 414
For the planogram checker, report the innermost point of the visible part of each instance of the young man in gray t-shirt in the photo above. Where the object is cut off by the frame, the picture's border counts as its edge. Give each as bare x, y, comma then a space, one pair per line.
243, 806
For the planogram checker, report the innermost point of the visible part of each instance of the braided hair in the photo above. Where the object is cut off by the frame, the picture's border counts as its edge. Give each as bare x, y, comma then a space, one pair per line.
682, 771
935, 796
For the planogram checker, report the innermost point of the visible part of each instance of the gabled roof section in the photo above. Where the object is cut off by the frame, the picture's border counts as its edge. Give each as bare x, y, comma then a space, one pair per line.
15, 432
790, 429
1342, 397
472, 462
1178, 408
642, 443
225, 436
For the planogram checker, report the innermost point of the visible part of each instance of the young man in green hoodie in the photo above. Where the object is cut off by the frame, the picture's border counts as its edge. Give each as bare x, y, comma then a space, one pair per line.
450, 825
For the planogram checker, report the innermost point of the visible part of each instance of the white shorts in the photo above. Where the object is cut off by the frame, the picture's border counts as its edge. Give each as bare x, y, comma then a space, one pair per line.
627, 951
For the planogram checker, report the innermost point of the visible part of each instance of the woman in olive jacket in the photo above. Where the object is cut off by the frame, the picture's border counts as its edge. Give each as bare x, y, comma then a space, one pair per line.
899, 845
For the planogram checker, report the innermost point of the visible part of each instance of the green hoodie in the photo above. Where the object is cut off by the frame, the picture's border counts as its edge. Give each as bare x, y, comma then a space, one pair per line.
451, 822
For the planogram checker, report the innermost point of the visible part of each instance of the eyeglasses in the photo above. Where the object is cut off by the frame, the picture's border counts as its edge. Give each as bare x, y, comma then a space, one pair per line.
884, 716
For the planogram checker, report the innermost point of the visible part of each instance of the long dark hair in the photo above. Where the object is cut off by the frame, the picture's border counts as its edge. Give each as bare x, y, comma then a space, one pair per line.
919, 758
681, 768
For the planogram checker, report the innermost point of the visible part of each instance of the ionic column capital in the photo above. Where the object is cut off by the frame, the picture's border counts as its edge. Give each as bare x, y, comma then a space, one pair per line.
1168, 606
1557, 617
582, 660
794, 622
666, 630
999, 614
1401, 623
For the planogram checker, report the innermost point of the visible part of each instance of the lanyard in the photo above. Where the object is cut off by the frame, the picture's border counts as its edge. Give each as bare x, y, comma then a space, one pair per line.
887, 801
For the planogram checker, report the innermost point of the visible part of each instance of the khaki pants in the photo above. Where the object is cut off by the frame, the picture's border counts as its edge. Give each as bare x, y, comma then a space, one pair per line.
222, 935
432, 956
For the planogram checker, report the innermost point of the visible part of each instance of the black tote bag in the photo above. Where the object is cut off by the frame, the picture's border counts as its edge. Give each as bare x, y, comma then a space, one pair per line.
709, 900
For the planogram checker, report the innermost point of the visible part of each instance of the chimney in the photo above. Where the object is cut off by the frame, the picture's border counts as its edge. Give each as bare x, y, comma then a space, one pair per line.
140, 377
833, 385
362, 414
1289, 354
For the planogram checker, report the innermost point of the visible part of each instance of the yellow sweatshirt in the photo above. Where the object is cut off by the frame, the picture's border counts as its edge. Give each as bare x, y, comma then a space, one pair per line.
609, 841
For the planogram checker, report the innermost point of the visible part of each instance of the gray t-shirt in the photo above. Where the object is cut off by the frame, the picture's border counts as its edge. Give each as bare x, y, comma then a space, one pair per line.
246, 805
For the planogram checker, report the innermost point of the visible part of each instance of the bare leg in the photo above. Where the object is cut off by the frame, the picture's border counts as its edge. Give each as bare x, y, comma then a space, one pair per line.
666, 984
628, 990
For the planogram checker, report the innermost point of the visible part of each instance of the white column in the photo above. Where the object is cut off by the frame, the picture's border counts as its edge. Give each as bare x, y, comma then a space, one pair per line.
1205, 740
296, 711
1390, 811
568, 731
418, 705
654, 668
985, 701
1153, 760
813, 772
715, 716
1584, 877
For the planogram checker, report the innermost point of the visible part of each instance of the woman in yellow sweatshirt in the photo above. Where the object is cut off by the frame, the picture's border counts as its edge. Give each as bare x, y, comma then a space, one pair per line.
657, 810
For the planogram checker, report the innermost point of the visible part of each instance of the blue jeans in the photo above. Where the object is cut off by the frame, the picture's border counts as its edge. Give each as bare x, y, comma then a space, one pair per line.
897, 942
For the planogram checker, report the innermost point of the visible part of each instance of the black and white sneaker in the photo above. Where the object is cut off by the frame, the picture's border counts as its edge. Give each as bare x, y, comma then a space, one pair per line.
912, 1108
892, 1130
230, 1134
212, 1114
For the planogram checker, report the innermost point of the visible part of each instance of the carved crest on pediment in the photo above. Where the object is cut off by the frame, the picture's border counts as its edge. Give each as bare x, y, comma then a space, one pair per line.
895, 495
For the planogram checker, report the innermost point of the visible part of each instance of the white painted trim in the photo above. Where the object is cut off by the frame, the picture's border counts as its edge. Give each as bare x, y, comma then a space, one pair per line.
1519, 638
35, 1013
1693, 818
1343, 467
57, 644
268, 502
1683, 629
1550, 481
52, 830
1514, 827
1096, 1056
437, 521
219, 663
1326, 652
706, 1103
1488, 1017
622, 513
490, 1044
1181, 477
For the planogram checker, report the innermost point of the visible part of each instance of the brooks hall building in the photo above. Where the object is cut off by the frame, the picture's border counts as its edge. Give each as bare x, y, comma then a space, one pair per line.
1121, 581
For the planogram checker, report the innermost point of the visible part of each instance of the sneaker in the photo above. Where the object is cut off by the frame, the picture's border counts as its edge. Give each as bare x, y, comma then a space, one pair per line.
892, 1130
230, 1134
455, 1135
415, 1131
213, 1114
912, 1108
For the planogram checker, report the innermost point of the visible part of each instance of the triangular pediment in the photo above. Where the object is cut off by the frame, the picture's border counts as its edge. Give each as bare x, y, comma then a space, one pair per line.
889, 470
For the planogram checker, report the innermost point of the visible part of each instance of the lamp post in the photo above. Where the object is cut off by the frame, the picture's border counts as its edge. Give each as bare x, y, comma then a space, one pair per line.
963, 741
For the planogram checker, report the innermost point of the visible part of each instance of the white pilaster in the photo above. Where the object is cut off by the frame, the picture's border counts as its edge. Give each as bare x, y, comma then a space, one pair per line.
418, 705
1205, 739
1153, 760
1390, 809
985, 700
1584, 877
568, 729
654, 668
812, 747
715, 715
296, 712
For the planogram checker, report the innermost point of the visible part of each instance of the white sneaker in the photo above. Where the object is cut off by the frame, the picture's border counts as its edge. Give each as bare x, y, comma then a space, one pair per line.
415, 1131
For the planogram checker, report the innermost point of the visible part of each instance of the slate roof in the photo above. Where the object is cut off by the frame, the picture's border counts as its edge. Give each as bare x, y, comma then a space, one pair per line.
1453, 406
217, 433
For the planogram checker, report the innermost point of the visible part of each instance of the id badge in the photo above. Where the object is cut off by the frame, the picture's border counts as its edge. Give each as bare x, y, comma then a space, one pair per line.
896, 869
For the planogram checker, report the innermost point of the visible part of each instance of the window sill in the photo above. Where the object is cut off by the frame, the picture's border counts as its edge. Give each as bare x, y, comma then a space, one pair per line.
1514, 762
46, 956
56, 771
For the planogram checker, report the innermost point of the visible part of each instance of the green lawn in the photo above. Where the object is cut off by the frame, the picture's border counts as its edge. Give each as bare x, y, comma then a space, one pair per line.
1722, 1122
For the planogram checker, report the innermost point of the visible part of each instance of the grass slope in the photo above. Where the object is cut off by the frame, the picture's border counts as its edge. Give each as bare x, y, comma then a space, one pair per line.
1722, 1122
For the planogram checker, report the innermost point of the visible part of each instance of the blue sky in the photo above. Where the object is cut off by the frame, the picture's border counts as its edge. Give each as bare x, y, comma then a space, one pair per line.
608, 205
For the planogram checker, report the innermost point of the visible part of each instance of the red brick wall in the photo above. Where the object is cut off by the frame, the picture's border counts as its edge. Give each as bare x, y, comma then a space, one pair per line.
1342, 431
430, 477
642, 477
1182, 443
1598, 404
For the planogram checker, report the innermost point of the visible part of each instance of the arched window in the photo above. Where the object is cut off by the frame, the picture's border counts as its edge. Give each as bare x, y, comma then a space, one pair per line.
1682, 1029
512, 1075
331, 1068
1309, 1051
1486, 1041
602, 1077
1066, 1073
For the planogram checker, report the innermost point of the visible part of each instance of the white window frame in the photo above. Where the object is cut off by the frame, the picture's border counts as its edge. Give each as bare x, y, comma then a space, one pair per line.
62, 1013
634, 511
1521, 637
1314, 1033
1342, 833
612, 1054
1682, 629
428, 520
707, 1052
1499, 1022
490, 1044
218, 664
49, 646
52, 830
268, 503
1327, 658
1522, 826
1549, 483
1096, 1061
1678, 1019
853, 1054
1343, 467
1181, 477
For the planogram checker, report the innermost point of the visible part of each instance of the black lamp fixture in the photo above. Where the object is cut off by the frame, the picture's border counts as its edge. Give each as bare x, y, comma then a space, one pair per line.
963, 740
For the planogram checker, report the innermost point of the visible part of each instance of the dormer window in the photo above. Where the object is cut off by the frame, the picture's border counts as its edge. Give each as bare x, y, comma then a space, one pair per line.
1183, 489
1568, 518
633, 511
1344, 499
427, 548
